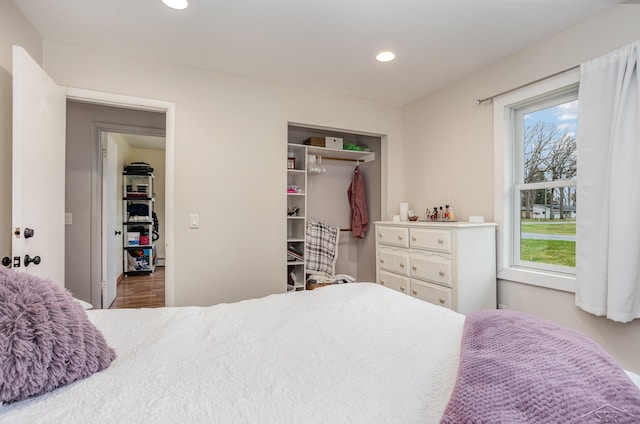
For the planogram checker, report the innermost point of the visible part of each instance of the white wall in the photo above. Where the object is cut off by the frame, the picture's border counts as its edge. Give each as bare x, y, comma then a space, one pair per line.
230, 162
448, 142
14, 29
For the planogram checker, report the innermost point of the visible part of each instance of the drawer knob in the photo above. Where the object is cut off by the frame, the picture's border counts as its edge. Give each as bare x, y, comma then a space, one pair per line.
381, 283
401, 265
440, 241
413, 238
415, 292
441, 273
381, 260
399, 237
380, 235
413, 267
441, 300
401, 288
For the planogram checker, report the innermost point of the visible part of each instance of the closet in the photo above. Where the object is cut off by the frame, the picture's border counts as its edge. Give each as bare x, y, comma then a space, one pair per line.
317, 182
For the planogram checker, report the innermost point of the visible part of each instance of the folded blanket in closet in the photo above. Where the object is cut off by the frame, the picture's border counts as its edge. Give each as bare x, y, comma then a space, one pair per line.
321, 248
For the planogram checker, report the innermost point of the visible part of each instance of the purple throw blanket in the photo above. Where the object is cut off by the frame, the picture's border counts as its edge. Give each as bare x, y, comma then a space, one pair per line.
517, 368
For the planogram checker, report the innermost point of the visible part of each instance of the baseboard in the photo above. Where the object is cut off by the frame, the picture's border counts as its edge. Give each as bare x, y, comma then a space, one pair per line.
160, 262
120, 279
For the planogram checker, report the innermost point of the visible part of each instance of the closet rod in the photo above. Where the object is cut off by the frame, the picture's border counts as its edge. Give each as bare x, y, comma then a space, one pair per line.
486, 99
345, 229
345, 159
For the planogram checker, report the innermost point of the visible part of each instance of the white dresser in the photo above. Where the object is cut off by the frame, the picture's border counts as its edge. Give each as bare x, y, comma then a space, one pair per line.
452, 264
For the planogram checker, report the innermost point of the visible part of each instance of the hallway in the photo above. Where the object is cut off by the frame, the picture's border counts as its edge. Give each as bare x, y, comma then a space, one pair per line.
141, 291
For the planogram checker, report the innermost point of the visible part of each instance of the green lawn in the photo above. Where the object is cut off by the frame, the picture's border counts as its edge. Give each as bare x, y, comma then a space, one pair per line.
549, 227
555, 252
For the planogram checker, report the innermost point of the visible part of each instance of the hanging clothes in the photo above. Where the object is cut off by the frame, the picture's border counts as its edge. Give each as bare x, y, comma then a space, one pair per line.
358, 203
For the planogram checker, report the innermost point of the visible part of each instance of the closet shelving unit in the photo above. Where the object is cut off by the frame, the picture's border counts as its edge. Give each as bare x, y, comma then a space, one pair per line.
297, 223
139, 247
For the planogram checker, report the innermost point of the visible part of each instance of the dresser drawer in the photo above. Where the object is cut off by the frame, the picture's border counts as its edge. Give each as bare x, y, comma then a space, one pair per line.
431, 267
431, 293
394, 281
394, 236
431, 239
394, 260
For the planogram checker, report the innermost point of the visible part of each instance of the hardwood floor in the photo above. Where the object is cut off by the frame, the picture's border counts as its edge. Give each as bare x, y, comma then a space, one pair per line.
141, 291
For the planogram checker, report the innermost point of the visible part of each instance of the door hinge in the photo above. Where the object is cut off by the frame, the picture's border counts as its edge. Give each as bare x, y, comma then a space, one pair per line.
104, 285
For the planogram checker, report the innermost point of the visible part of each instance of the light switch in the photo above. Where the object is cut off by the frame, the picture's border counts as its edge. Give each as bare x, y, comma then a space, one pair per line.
194, 220
68, 218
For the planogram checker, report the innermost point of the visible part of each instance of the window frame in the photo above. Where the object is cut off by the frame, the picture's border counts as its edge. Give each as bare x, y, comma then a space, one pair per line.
507, 198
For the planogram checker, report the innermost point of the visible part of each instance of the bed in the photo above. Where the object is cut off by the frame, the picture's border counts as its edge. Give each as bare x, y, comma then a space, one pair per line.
348, 353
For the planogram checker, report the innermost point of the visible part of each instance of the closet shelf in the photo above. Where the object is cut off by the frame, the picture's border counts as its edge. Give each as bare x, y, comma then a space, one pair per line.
340, 154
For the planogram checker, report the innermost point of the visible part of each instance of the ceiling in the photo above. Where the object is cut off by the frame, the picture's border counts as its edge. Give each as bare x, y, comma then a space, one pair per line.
323, 44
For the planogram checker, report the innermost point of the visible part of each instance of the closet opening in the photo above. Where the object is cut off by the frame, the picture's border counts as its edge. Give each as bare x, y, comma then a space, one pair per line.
327, 175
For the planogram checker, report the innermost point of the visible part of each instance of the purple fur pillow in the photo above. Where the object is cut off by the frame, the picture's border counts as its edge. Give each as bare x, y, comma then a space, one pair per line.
46, 338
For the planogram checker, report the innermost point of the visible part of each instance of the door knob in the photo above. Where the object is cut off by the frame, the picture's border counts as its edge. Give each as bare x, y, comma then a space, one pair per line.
28, 259
28, 233
6, 261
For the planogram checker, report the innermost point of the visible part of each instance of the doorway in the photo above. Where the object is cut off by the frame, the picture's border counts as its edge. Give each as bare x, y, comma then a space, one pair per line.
88, 125
122, 146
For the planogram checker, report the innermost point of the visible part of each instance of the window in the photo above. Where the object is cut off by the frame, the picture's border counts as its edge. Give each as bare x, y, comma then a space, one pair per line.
535, 147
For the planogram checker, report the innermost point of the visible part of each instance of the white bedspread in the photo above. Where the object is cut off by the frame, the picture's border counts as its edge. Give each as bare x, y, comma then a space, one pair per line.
350, 353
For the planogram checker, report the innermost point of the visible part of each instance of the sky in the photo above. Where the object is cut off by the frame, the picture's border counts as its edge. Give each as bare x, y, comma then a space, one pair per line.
565, 116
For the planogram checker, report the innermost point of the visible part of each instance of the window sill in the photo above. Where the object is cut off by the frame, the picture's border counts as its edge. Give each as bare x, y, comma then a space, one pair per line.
548, 280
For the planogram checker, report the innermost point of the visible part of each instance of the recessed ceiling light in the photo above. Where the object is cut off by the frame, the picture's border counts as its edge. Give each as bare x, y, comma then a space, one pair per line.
385, 56
176, 4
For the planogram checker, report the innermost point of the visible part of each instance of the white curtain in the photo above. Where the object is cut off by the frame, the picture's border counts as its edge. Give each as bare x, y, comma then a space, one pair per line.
608, 224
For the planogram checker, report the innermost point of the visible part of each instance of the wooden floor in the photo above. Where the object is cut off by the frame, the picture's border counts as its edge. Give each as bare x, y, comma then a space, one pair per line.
141, 291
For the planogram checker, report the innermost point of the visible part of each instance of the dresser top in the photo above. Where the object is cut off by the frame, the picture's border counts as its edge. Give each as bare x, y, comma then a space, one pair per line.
435, 224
